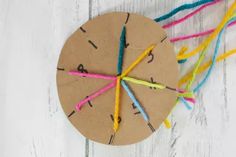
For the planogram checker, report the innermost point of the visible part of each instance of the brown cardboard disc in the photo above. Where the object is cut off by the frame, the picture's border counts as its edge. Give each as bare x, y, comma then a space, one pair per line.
94, 48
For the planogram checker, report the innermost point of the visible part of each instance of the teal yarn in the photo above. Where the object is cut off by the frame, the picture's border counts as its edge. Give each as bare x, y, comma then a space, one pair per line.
182, 7
197, 88
121, 50
182, 61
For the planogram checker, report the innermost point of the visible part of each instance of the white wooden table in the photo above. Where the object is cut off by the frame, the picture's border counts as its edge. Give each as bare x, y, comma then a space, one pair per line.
32, 123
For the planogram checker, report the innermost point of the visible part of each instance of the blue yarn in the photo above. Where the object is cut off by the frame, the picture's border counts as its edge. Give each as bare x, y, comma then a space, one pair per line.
185, 103
135, 101
121, 51
214, 57
182, 7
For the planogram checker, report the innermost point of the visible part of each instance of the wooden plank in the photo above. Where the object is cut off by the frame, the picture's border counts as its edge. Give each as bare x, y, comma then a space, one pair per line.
228, 109
33, 123
33, 33
180, 115
203, 134
200, 134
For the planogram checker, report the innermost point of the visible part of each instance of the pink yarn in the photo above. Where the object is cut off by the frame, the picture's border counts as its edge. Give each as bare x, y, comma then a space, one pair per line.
100, 76
180, 90
189, 15
197, 34
190, 100
96, 94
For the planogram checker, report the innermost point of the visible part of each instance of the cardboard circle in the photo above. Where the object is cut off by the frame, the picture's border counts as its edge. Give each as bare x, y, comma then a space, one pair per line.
94, 48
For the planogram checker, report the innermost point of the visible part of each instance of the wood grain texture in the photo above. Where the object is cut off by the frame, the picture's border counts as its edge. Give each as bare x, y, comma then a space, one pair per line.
33, 124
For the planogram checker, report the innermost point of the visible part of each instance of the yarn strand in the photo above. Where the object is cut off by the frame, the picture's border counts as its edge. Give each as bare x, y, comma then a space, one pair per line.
167, 123
138, 60
135, 101
121, 50
207, 41
92, 75
196, 35
94, 95
202, 68
213, 58
181, 8
197, 65
173, 23
117, 105
145, 83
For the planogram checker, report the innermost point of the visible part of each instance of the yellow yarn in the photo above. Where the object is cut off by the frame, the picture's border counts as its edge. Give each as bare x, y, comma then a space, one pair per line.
182, 50
196, 67
207, 41
167, 123
138, 60
186, 95
202, 68
145, 83
117, 105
